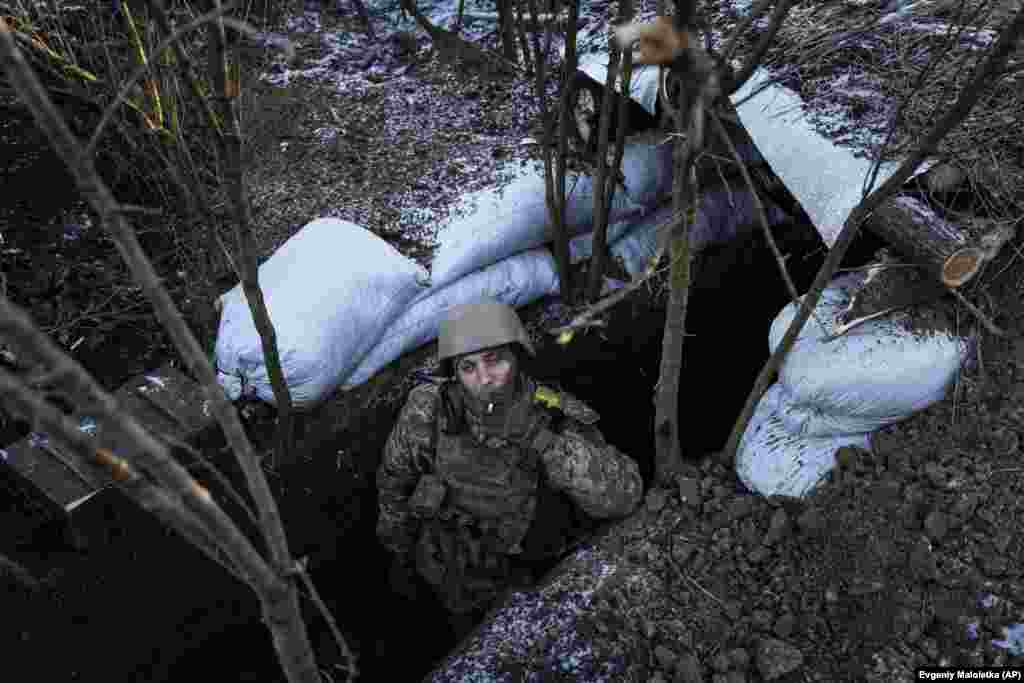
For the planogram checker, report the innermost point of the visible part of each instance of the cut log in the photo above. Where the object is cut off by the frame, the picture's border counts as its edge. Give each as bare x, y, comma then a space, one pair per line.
924, 238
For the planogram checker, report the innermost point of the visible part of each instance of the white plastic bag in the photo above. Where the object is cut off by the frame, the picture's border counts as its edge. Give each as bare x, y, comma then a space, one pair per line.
772, 459
331, 290
834, 394
722, 216
492, 225
876, 374
517, 281
581, 247
643, 82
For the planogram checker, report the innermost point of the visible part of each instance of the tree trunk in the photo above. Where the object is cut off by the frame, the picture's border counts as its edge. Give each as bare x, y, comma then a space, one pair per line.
508, 44
561, 233
605, 176
922, 237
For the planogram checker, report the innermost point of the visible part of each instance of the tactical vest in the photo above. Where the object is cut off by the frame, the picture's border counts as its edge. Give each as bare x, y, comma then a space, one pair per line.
494, 486
491, 497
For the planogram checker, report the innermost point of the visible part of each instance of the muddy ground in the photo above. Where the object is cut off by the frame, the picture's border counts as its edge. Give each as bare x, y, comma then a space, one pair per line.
909, 555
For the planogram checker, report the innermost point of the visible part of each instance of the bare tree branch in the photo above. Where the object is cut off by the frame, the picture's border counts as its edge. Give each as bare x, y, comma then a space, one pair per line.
775, 23
274, 587
231, 142
141, 69
983, 75
606, 177
761, 215
151, 456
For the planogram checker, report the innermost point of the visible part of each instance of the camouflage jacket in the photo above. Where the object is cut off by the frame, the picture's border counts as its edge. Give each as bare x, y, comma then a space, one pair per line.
598, 479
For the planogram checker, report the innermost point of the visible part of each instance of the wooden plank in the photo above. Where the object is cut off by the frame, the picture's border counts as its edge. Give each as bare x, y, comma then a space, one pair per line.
33, 458
176, 395
152, 416
165, 401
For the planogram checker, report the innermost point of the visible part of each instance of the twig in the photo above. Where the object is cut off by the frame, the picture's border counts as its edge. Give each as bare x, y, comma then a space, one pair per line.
705, 591
585, 317
762, 217
18, 574
278, 597
1006, 469
231, 144
140, 70
734, 38
979, 314
314, 595
169, 507
147, 453
776, 20
857, 322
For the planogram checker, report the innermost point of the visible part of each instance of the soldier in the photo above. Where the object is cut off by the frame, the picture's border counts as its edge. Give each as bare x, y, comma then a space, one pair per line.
486, 474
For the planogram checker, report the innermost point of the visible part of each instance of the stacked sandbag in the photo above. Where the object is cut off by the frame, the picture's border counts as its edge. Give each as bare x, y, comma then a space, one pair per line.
833, 394
332, 290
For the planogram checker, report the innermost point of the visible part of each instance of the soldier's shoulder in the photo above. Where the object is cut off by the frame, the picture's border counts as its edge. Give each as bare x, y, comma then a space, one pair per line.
423, 395
571, 406
422, 400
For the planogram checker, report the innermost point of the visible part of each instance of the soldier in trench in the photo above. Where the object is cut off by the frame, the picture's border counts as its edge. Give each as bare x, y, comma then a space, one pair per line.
487, 475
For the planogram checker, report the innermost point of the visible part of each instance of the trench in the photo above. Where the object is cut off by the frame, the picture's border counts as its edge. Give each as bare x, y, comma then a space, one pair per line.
127, 600
329, 503
130, 601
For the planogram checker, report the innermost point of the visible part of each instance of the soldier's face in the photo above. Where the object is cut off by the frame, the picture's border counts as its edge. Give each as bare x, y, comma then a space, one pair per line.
486, 372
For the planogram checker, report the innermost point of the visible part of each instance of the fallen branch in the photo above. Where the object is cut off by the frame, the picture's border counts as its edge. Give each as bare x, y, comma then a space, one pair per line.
921, 236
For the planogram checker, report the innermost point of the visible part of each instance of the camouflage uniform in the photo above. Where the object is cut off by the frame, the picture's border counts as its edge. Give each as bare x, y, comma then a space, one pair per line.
468, 547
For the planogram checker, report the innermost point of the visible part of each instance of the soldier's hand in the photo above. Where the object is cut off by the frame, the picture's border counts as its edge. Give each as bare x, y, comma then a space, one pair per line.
524, 420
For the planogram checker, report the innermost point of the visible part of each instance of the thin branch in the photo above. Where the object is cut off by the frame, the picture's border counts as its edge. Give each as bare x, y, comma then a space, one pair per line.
979, 314
140, 70
160, 502
762, 217
148, 454
19, 574
734, 38
332, 624
984, 74
231, 142
95, 190
754, 61
585, 318
278, 596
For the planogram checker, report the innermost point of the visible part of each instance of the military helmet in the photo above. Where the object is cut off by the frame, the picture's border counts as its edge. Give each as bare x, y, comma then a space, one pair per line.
473, 327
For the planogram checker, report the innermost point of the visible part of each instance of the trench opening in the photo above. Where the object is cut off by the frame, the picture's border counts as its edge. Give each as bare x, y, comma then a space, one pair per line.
330, 508
180, 616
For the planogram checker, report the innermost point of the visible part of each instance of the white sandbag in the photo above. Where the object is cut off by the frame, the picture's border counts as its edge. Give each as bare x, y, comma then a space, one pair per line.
493, 224
643, 82
722, 216
517, 281
876, 374
581, 247
773, 460
331, 290
636, 248
815, 420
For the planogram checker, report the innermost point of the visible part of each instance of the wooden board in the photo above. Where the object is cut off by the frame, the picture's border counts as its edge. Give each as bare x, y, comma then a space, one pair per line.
165, 401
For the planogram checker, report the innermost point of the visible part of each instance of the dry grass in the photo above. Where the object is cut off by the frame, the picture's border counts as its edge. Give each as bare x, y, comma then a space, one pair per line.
844, 62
